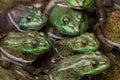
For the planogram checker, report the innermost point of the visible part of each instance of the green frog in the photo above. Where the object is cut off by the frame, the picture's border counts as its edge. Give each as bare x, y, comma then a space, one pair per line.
75, 57
22, 16
83, 43
77, 66
96, 7
68, 21
19, 50
26, 17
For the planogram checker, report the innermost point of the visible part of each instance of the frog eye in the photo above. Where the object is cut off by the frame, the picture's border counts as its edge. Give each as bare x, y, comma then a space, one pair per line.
65, 20
94, 64
84, 43
29, 18
34, 43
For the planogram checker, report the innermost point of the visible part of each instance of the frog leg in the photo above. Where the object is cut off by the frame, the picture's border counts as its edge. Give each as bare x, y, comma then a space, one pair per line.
59, 54
12, 22
105, 45
19, 72
53, 36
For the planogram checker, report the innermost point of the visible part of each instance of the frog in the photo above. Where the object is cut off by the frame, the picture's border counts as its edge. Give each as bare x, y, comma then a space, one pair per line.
68, 21
113, 73
77, 66
86, 42
19, 50
22, 16
98, 7
65, 59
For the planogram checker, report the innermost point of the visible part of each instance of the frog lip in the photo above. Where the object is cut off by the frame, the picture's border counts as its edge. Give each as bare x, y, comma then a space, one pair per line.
20, 28
13, 23
5, 55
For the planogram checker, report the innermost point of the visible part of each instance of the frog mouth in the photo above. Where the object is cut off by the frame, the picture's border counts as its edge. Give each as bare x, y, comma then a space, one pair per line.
6, 56
13, 23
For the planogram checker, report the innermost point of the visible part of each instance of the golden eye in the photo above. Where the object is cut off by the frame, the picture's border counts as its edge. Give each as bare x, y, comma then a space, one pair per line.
65, 20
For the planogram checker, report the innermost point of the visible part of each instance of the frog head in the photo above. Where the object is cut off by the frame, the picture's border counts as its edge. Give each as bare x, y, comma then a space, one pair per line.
83, 43
32, 19
77, 66
79, 3
26, 43
68, 21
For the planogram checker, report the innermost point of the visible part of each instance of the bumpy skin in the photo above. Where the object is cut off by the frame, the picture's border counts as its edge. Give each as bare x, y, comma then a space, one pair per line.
83, 43
32, 19
68, 21
79, 3
77, 66
111, 27
26, 43
26, 17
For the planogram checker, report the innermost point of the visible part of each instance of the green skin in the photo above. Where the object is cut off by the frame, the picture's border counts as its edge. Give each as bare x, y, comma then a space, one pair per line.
26, 43
68, 21
38, 19
79, 3
84, 43
76, 66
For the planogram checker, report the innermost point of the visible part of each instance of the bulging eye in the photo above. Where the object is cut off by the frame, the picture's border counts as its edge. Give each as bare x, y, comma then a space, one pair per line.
65, 20
29, 18
94, 64
84, 43
34, 43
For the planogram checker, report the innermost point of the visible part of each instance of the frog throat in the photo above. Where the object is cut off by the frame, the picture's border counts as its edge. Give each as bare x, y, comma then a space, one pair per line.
79, 3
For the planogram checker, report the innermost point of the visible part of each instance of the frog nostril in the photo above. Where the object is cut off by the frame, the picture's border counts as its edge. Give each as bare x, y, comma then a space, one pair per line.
29, 18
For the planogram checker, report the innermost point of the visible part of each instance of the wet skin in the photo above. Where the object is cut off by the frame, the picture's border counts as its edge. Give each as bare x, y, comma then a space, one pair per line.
83, 43
32, 19
19, 50
24, 17
79, 3
68, 21
76, 66
26, 43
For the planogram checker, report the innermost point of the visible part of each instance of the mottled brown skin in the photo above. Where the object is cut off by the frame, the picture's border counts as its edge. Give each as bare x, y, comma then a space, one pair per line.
110, 30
